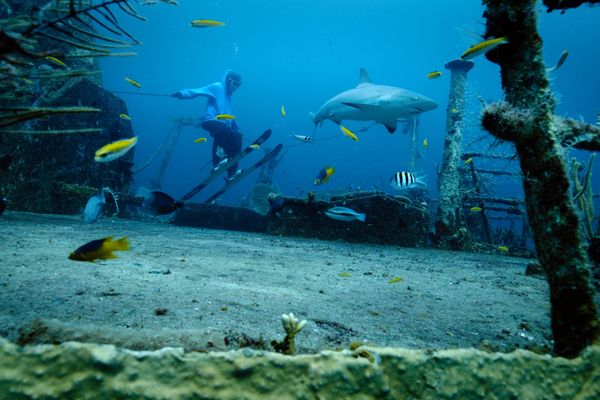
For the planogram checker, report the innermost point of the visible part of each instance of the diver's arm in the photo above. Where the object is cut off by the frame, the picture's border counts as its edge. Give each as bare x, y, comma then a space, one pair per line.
187, 94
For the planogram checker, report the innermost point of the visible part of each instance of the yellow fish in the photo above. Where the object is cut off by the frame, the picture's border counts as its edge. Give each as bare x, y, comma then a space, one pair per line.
469, 160
324, 175
225, 116
56, 61
349, 133
28, 81
395, 280
483, 47
476, 209
434, 75
345, 274
100, 249
502, 248
254, 146
283, 113
134, 83
426, 143
114, 150
200, 140
205, 23
125, 116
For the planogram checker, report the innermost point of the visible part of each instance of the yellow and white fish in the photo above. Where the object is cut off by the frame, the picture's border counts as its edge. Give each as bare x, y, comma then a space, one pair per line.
476, 209
483, 47
254, 146
426, 143
469, 160
134, 83
225, 117
56, 61
206, 23
125, 117
434, 75
114, 150
349, 133
283, 113
200, 140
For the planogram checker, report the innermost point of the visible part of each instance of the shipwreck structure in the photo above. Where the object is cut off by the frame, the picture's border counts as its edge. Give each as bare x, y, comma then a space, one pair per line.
54, 113
527, 118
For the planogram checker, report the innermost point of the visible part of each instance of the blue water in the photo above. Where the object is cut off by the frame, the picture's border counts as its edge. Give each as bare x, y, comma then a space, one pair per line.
300, 53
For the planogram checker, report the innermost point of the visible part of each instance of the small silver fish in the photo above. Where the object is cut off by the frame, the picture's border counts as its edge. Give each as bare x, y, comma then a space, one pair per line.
94, 207
560, 62
306, 139
220, 164
345, 214
235, 175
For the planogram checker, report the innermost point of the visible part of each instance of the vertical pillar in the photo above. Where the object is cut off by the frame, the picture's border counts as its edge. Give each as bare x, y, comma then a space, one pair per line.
414, 153
449, 232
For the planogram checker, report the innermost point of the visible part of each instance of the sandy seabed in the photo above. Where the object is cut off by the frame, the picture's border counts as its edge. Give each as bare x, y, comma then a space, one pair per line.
218, 290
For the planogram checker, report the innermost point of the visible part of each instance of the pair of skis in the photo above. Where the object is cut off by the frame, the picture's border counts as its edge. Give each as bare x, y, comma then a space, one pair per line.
231, 161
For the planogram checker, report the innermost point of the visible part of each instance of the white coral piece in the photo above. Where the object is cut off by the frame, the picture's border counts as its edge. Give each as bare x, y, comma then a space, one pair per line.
291, 325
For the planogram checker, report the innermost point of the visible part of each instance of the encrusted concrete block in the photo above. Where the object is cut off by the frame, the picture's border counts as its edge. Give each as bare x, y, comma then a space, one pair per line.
87, 371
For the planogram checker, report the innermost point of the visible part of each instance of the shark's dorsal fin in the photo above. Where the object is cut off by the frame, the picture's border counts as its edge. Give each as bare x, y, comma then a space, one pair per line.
363, 79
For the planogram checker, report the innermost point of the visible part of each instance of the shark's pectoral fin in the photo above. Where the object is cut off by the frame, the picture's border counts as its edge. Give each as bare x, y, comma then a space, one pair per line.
390, 125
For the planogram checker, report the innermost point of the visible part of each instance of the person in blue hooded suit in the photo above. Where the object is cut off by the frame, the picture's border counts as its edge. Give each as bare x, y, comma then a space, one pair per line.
225, 133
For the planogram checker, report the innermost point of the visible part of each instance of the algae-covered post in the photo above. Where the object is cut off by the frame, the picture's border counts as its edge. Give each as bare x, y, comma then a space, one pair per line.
527, 119
449, 230
414, 135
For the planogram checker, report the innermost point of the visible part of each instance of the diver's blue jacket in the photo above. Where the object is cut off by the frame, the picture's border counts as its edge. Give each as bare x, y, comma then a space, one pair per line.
219, 102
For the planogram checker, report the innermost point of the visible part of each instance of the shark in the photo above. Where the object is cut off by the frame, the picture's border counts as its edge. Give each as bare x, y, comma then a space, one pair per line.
371, 102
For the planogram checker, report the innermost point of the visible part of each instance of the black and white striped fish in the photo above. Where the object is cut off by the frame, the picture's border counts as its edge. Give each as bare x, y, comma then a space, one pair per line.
404, 180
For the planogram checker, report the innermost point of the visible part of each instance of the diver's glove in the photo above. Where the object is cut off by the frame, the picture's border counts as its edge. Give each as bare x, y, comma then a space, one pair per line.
177, 95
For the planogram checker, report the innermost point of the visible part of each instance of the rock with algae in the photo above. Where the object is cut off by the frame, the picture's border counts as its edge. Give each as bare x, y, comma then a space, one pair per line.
86, 371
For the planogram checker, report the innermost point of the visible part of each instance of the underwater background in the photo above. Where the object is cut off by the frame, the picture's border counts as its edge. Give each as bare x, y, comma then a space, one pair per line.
301, 53
307, 262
